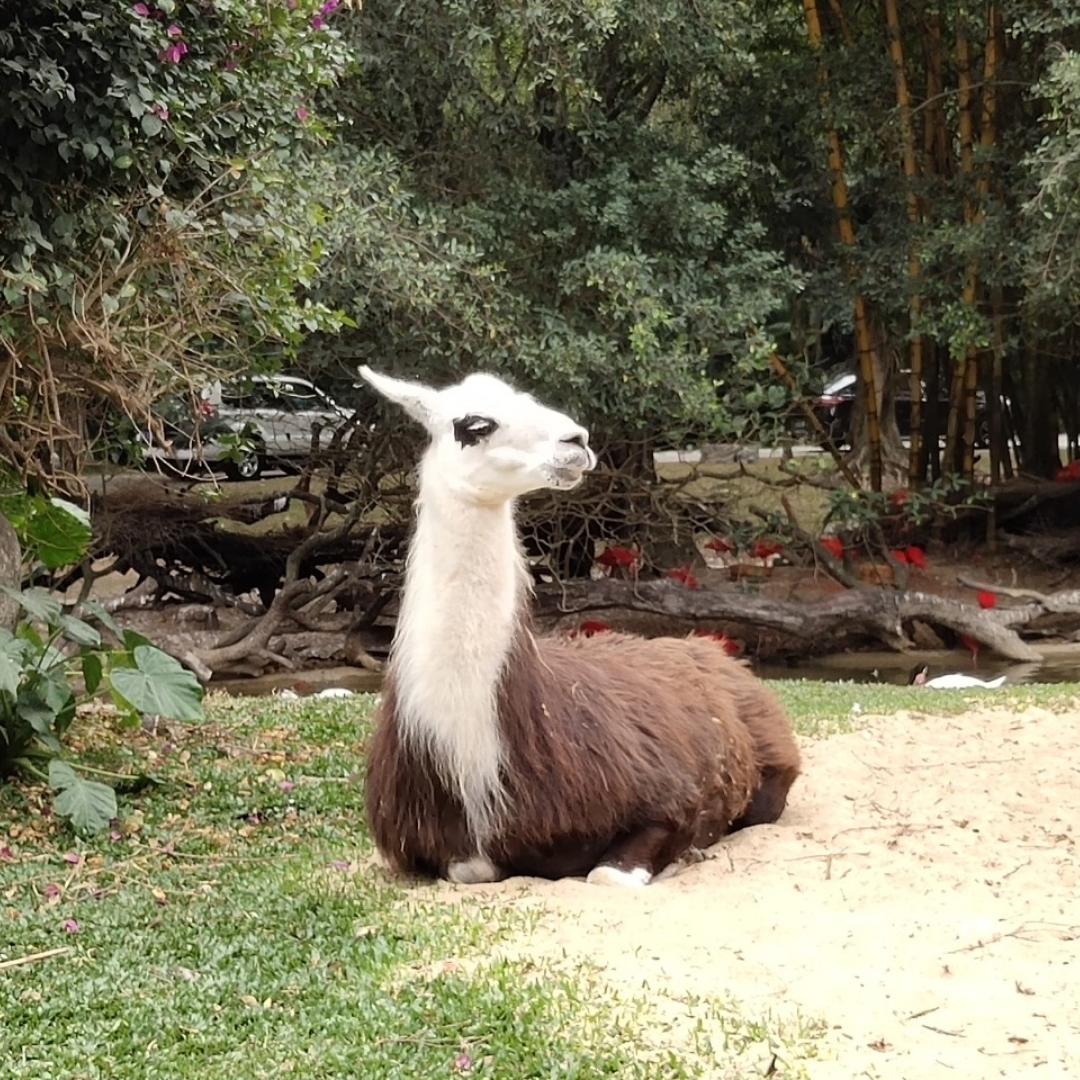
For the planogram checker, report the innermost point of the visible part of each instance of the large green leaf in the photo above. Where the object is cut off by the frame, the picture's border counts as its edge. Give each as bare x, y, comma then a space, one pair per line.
92, 607
58, 531
92, 671
87, 804
80, 632
159, 685
37, 602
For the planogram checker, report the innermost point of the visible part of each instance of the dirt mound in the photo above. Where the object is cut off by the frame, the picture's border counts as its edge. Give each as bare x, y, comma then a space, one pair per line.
921, 897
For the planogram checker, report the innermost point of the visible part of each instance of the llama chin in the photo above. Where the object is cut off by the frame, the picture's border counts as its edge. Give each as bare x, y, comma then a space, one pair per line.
498, 752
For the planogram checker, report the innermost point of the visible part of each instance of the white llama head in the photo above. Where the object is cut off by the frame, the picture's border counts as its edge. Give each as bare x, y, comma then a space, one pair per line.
490, 442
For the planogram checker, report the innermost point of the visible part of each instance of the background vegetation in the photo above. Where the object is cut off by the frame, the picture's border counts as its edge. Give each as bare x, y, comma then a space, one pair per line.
629, 205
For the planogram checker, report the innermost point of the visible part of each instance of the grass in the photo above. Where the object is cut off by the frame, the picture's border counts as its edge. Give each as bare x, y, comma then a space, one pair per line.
819, 709
234, 924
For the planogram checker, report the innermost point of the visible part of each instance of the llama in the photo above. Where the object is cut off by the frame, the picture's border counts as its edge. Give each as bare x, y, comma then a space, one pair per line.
498, 752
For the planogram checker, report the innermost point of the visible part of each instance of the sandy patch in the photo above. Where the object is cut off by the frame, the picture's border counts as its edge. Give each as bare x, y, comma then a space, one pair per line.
921, 897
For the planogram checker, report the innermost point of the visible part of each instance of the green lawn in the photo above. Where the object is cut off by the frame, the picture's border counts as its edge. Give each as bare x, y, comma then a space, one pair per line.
235, 926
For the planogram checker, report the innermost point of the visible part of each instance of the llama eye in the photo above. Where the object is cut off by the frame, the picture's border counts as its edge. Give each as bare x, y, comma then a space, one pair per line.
469, 430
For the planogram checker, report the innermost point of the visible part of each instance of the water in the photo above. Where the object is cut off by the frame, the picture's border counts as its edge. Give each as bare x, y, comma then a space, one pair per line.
1061, 665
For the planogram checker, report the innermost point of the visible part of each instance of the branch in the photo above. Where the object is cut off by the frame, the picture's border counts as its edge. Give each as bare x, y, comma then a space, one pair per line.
880, 613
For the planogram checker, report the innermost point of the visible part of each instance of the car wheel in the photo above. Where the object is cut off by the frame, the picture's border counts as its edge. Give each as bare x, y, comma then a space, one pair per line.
248, 466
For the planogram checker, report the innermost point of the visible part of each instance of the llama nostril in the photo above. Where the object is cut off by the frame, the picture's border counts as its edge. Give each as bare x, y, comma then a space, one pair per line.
577, 439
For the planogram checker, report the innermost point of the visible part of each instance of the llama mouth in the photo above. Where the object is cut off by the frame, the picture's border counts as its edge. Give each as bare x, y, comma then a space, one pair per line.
564, 477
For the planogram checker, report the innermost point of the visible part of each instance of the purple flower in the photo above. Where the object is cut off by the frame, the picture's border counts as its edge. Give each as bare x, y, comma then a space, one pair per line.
142, 9
73, 857
173, 30
330, 6
72, 926
302, 115
318, 22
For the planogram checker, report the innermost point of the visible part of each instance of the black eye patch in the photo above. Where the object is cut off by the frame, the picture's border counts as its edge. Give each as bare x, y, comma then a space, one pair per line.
469, 430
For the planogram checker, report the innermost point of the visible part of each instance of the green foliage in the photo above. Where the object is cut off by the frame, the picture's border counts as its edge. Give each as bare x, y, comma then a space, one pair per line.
53, 650
52, 531
161, 210
564, 217
40, 665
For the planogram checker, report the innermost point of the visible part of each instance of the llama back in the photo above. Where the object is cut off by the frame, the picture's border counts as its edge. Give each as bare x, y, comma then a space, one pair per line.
653, 730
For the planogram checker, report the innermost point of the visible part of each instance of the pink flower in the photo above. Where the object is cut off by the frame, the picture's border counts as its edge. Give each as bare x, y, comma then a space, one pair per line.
73, 857
174, 53
318, 22
72, 926
142, 10
287, 786
6, 854
291, 4
160, 111
302, 114
463, 1063
330, 6
51, 891
173, 30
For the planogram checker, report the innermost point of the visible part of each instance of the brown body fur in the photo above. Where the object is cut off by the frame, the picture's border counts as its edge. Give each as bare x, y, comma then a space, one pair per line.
618, 750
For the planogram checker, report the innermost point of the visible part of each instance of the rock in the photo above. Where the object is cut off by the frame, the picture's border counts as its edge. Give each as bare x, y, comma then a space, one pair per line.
10, 572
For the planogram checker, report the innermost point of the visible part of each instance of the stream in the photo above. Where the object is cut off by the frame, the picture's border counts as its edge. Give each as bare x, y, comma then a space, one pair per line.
1061, 665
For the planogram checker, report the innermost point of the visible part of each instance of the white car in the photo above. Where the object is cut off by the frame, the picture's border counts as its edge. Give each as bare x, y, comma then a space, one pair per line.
242, 428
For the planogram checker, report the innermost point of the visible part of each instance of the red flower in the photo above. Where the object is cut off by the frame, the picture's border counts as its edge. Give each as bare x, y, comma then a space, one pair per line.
615, 557
593, 626
718, 545
916, 557
987, 599
1069, 474
899, 498
900, 556
685, 575
763, 549
833, 545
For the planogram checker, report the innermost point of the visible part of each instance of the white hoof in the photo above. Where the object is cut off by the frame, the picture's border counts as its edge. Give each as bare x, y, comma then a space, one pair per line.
612, 875
474, 871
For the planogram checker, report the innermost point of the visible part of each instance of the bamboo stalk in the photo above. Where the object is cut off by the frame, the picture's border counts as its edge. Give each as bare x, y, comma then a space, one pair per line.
863, 336
914, 268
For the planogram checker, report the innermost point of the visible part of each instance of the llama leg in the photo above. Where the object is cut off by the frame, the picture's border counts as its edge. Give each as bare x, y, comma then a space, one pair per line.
635, 859
769, 800
475, 871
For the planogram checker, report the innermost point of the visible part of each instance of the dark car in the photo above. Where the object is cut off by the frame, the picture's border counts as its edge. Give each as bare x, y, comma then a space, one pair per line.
836, 402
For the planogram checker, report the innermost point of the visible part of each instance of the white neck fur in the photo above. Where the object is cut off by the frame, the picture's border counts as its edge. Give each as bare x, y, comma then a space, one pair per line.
463, 590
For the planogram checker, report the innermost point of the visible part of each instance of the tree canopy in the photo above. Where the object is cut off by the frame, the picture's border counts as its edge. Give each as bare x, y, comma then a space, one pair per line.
631, 206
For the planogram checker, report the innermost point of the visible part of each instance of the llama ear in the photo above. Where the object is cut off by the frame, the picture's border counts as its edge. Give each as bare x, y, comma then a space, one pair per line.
417, 400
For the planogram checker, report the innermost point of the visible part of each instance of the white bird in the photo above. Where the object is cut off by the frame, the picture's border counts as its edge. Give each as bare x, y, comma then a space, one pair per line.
953, 681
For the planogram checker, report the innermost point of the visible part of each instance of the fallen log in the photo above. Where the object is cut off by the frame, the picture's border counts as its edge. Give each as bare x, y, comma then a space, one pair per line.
876, 613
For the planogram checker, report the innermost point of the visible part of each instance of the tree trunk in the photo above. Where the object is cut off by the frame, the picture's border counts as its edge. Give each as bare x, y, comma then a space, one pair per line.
846, 227
954, 458
914, 268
